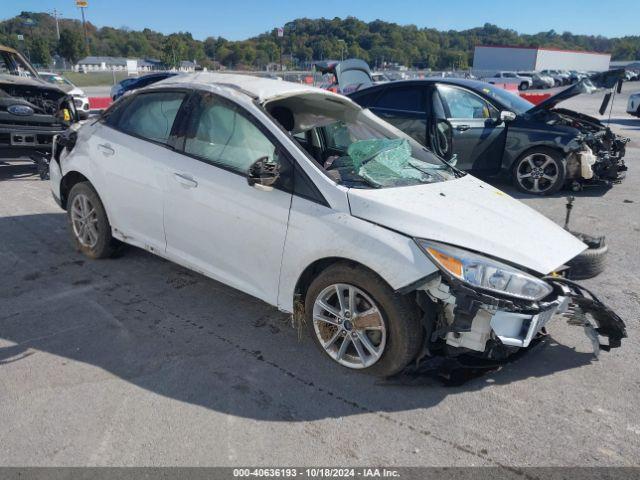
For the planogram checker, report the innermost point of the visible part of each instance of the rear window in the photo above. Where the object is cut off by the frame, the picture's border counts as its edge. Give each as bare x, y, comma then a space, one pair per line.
402, 98
150, 115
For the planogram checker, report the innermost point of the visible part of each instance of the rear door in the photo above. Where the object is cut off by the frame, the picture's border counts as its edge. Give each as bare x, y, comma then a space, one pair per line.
130, 146
477, 135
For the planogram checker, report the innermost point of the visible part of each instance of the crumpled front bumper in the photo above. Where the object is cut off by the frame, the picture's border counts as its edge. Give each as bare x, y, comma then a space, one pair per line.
488, 325
518, 329
578, 305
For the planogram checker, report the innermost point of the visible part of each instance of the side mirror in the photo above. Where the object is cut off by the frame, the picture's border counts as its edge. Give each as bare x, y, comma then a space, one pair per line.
507, 116
263, 174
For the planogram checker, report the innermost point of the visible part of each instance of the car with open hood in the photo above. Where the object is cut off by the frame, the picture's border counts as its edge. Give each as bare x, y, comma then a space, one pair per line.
32, 111
490, 131
298, 196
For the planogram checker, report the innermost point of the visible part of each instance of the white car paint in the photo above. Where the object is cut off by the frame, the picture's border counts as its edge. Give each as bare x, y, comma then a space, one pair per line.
261, 241
469, 213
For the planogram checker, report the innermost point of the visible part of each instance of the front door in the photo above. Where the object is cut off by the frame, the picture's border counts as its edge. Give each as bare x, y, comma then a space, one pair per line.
477, 136
214, 221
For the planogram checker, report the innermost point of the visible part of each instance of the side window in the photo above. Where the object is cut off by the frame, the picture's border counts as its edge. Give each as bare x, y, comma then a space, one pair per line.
405, 109
463, 104
337, 136
150, 115
365, 99
222, 135
402, 98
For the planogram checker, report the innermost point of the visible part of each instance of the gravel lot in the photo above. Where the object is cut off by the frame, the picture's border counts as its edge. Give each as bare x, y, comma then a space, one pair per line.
136, 361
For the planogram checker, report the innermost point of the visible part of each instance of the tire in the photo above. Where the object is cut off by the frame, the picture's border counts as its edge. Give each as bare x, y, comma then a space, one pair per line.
589, 263
539, 171
95, 242
399, 339
524, 86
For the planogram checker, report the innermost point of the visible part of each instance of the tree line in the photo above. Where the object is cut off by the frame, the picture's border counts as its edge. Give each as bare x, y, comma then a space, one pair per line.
304, 40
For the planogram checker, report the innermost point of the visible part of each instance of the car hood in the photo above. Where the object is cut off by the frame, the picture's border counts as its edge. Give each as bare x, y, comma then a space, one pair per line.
468, 213
586, 85
28, 82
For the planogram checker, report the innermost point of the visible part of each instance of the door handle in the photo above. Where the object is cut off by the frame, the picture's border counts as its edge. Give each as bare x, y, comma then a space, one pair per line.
185, 180
106, 149
463, 128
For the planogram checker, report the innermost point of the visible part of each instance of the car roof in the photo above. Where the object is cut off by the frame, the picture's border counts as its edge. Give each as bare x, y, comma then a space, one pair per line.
260, 89
463, 82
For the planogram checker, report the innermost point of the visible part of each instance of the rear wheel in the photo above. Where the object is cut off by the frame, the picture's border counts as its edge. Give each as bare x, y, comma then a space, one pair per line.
359, 322
540, 171
524, 86
89, 224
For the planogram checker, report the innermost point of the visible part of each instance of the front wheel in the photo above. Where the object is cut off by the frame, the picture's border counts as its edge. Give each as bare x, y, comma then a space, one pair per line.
359, 322
540, 171
524, 86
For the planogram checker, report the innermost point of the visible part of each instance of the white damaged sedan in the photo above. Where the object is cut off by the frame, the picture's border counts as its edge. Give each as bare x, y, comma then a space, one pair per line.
299, 197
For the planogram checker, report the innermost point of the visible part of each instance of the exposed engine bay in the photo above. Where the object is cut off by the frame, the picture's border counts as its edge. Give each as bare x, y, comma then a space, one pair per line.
42, 100
32, 111
597, 155
459, 320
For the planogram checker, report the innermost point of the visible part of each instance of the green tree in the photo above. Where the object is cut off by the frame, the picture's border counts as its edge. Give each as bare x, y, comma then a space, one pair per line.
40, 54
71, 45
174, 50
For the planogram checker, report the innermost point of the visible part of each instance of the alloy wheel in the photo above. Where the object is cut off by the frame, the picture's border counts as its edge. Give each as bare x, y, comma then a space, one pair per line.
537, 173
349, 326
84, 220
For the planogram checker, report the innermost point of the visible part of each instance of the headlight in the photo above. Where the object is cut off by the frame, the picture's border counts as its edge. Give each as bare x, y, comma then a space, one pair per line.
485, 273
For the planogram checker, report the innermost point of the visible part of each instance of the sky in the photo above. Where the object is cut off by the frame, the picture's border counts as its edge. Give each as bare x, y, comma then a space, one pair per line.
240, 19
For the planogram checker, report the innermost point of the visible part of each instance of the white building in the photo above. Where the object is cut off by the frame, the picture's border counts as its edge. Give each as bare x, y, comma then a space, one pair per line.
103, 64
490, 59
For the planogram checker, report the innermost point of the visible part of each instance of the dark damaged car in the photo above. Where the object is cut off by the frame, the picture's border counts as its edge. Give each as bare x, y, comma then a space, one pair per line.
32, 111
489, 131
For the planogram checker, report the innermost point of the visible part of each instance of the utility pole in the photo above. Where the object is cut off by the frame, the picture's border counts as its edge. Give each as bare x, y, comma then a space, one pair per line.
56, 14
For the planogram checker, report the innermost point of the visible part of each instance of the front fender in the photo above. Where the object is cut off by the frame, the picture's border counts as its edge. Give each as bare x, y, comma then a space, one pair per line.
523, 136
317, 232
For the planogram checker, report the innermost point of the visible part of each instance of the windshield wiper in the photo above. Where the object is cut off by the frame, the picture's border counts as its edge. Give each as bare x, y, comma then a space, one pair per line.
456, 171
